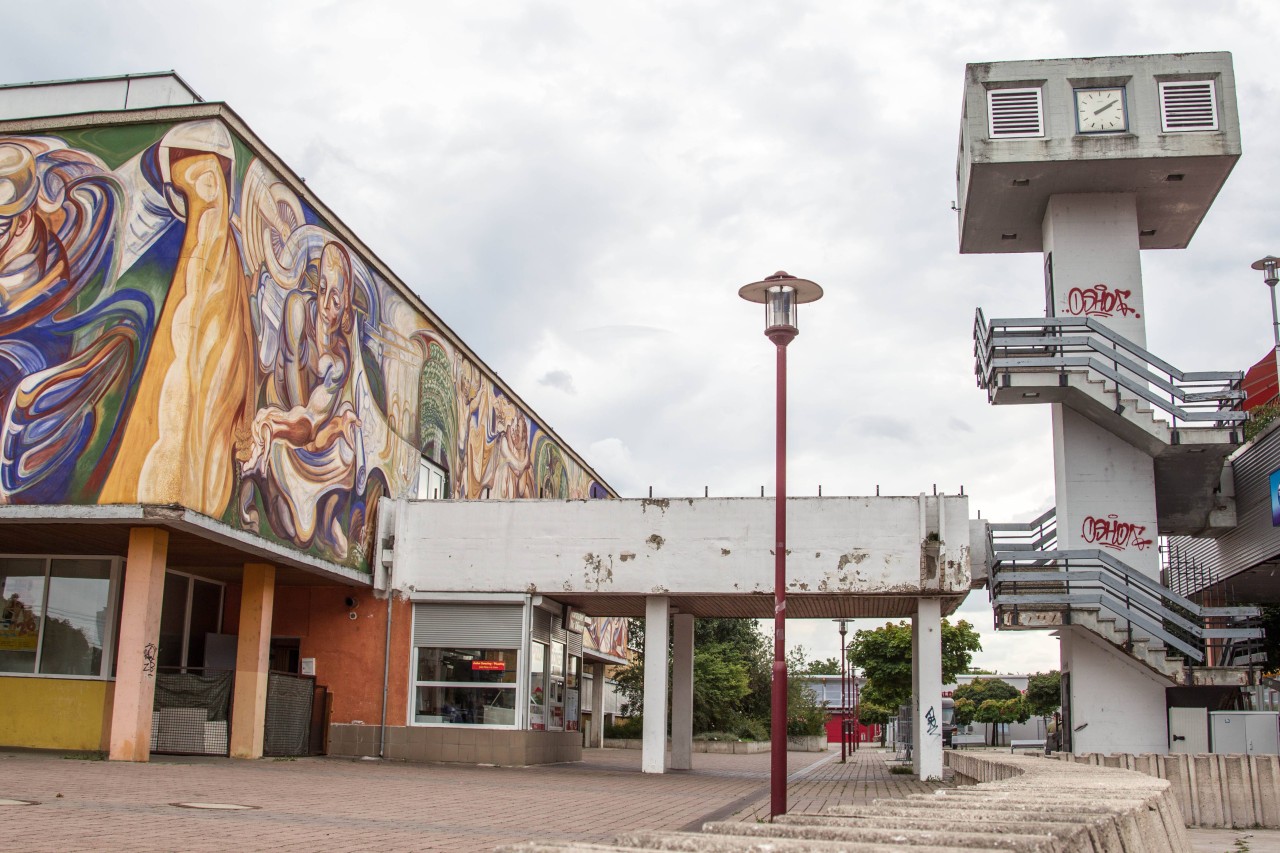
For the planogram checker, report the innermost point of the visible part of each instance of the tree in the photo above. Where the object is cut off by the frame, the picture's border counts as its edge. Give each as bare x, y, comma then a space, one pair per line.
1044, 693
884, 656
964, 709
870, 714
731, 673
981, 689
828, 666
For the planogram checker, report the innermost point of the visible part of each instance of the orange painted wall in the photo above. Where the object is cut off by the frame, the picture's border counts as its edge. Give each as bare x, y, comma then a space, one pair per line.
348, 652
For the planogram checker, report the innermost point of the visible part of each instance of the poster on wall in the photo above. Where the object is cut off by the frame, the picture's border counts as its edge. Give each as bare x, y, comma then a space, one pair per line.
1275, 498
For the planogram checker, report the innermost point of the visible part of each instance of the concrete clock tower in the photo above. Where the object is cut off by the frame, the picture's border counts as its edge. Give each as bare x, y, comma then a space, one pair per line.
1090, 161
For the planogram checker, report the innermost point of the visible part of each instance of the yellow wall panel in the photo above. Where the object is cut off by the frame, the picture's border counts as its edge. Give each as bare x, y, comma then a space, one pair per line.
53, 713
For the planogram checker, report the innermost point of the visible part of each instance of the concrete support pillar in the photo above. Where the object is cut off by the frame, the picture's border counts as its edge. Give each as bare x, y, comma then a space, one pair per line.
927, 658
135, 687
682, 692
597, 705
253, 650
915, 688
653, 758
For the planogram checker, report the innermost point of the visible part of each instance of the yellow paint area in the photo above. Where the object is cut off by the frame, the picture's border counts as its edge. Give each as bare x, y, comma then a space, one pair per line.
53, 713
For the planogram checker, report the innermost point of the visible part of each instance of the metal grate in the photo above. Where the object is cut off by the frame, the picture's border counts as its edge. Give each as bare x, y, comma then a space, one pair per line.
192, 712
287, 730
1188, 106
1015, 113
468, 626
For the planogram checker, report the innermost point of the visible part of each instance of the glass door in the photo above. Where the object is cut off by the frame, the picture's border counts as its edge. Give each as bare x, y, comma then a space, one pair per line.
556, 692
538, 686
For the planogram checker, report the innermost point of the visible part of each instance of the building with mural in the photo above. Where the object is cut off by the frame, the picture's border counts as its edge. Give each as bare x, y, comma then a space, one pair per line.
208, 386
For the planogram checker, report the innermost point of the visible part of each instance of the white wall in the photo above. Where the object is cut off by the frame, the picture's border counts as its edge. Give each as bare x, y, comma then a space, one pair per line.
1117, 704
659, 547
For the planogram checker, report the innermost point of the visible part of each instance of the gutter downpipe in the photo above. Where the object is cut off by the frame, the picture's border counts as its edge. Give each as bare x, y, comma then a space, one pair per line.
386, 649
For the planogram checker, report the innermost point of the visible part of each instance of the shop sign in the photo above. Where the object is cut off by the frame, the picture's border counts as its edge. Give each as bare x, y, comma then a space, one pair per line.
1275, 498
577, 621
488, 666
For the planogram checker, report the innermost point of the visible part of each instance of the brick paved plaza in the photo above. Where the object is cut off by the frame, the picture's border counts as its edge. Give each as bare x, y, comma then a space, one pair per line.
338, 804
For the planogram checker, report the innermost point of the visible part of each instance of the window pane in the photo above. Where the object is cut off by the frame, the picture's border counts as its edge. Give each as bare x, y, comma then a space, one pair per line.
173, 619
491, 666
206, 618
473, 706
538, 687
76, 622
22, 607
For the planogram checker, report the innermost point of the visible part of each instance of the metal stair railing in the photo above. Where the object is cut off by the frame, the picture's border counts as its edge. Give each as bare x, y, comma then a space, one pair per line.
1088, 578
1040, 344
1039, 534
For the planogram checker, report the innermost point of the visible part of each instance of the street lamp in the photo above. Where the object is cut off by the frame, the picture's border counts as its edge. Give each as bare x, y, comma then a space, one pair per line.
844, 693
781, 295
1270, 274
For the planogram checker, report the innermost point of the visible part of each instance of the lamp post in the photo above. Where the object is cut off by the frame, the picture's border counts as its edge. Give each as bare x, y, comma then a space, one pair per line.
1270, 266
781, 294
844, 693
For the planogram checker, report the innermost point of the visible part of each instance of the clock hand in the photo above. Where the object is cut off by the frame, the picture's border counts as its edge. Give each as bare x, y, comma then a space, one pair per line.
1104, 108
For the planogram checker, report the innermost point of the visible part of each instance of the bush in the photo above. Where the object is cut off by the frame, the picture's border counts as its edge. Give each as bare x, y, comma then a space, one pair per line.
628, 729
751, 729
718, 736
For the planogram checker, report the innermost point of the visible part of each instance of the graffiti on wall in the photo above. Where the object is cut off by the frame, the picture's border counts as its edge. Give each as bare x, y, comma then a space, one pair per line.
1100, 301
178, 326
1111, 532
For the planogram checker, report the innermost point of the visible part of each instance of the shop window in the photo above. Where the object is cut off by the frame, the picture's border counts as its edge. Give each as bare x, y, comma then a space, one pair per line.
470, 687
56, 614
556, 693
538, 687
573, 691
190, 611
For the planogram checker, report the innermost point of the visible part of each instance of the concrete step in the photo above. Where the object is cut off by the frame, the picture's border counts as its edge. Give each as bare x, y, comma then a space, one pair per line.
1002, 836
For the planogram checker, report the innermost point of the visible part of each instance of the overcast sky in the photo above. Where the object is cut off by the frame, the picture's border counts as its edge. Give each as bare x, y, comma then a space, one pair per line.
579, 189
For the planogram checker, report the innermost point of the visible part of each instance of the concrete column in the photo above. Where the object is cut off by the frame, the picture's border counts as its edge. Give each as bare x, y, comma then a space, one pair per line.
135, 687
597, 705
915, 687
682, 692
653, 757
927, 653
253, 650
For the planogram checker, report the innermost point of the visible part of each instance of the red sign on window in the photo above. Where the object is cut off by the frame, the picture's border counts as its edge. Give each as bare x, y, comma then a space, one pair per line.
489, 665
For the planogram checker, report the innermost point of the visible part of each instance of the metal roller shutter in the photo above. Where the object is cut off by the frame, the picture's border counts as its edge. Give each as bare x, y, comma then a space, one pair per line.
541, 625
471, 626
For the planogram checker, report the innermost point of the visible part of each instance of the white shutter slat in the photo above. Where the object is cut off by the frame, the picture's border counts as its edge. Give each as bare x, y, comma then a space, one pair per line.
1188, 106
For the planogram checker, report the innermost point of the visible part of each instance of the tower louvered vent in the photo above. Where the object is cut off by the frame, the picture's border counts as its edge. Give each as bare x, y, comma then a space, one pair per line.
1015, 113
1188, 106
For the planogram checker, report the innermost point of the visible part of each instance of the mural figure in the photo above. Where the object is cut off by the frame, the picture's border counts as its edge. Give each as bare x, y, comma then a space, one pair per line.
306, 446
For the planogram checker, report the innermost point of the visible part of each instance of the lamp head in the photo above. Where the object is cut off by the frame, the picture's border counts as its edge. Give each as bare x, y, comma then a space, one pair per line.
1270, 266
781, 294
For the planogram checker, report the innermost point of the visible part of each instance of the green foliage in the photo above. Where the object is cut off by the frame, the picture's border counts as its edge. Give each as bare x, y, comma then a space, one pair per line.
829, 666
902, 770
870, 714
884, 656
1044, 693
982, 689
805, 714
749, 728
720, 684
964, 711
628, 729
731, 673
1259, 418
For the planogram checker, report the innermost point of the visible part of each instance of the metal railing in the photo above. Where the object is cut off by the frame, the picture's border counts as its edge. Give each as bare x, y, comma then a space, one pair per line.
1094, 579
1061, 344
1040, 534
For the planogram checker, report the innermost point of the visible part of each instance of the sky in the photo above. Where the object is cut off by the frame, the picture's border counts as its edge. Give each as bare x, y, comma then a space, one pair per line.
579, 189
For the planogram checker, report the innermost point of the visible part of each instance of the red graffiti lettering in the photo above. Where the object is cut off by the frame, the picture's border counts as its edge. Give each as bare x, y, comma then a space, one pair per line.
1112, 533
1100, 301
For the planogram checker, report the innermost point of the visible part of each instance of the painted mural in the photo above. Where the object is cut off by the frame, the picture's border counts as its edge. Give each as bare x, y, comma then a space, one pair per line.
606, 634
178, 326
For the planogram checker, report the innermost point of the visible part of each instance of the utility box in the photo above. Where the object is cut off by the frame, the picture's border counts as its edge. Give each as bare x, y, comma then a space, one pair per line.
1189, 730
1245, 732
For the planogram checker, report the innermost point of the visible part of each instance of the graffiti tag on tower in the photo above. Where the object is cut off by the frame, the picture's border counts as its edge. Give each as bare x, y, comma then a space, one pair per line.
1111, 532
1100, 301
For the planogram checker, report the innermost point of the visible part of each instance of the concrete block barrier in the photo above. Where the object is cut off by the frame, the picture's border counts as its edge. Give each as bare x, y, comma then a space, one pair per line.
1020, 803
1211, 790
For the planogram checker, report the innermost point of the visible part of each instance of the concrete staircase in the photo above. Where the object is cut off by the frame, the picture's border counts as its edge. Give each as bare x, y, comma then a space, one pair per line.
1020, 803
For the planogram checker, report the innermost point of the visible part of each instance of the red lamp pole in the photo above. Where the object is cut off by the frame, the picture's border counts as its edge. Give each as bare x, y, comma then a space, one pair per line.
781, 294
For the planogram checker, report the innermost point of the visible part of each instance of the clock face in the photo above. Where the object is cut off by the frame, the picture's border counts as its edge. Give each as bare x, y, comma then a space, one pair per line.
1101, 111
